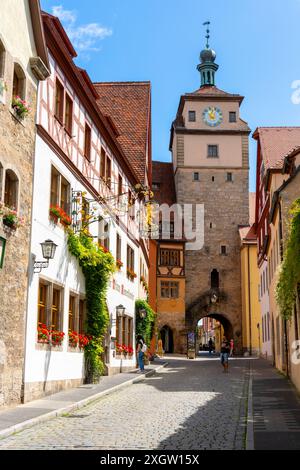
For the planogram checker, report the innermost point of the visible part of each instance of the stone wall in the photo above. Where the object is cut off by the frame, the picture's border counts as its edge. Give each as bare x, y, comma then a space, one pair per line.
226, 206
16, 153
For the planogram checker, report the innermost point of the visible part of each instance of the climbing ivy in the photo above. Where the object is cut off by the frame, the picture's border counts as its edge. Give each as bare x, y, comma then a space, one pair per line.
97, 266
289, 275
145, 326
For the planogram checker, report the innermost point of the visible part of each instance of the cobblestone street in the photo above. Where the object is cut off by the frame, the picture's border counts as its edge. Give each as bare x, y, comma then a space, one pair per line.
188, 405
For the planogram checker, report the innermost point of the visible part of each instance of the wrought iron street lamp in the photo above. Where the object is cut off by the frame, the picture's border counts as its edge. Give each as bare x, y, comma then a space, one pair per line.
120, 310
48, 250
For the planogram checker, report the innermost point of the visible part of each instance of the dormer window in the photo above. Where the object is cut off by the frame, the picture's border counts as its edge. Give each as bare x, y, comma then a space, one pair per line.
192, 116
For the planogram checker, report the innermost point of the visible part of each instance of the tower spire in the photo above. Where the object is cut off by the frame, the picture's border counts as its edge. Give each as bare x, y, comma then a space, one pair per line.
207, 67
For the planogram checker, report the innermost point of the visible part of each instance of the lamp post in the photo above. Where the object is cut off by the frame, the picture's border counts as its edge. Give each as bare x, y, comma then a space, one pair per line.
120, 309
48, 250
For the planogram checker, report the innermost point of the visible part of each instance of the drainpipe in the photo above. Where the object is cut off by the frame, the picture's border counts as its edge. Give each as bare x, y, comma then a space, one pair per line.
249, 302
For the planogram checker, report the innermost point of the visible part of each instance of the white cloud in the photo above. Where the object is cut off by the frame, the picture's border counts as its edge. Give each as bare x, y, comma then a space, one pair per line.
84, 38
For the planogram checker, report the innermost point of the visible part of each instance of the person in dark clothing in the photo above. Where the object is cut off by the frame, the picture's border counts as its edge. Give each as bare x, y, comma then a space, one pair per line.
225, 351
140, 349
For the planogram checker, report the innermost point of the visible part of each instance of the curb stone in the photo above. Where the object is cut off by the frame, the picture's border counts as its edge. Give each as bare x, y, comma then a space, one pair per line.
76, 406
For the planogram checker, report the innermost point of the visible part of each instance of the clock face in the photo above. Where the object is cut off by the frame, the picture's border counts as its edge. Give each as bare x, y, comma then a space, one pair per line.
212, 116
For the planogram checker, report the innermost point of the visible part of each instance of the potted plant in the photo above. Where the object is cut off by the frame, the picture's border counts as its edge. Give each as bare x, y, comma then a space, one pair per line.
10, 217
84, 340
57, 337
119, 264
43, 333
20, 107
131, 274
73, 339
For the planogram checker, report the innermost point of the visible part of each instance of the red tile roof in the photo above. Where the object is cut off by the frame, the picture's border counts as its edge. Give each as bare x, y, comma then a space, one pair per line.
275, 143
128, 105
213, 91
162, 174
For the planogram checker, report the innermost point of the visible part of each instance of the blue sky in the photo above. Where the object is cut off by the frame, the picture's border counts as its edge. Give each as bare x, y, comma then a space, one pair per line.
256, 41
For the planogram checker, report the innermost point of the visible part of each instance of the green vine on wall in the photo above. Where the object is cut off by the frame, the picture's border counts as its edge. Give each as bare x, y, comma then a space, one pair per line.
289, 276
145, 326
97, 266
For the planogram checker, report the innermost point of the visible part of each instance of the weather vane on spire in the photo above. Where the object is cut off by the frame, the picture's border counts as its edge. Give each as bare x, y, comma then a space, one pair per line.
207, 23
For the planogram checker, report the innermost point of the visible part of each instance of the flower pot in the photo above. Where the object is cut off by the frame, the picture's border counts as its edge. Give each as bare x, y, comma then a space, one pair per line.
9, 223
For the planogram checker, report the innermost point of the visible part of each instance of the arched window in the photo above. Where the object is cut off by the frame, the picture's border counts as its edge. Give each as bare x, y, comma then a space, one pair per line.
214, 279
19, 82
208, 77
2, 59
11, 189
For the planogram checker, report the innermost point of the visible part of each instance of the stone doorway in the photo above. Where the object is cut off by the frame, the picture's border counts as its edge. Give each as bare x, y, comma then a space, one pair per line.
166, 335
213, 326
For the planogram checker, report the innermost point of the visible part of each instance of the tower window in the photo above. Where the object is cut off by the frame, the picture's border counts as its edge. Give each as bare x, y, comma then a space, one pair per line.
210, 225
214, 279
232, 116
196, 177
192, 116
213, 178
212, 151
223, 250
229, 177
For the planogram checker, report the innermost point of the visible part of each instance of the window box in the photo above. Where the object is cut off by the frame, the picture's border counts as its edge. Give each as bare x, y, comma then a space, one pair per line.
144, 283
10, 217
20, 107
57, 337
131, 274
57, 213
119, 264
73, 339
43, 334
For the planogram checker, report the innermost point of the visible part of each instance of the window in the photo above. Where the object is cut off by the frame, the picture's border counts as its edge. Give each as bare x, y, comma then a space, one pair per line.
131, 205
196, 176
213, 179
232, 116
102, 163
42, 303
229, 177
169, 257
214, 279
120, 185
169, 290
192, 116
108, 172
59, 101
103, 234
119, 247
11, 189
2, 60
166, 230
72, 313
18, 82
223, 250
56, 309
81, 315
212, 151
155, 186
130, 258
87, 142
69, 114
60, 191
129, 332
124, 330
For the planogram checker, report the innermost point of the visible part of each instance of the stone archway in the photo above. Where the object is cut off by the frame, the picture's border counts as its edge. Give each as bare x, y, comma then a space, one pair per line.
215, 304
166, 334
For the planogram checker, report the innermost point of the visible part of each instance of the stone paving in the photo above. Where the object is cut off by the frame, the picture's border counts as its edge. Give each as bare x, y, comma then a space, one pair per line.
188, 405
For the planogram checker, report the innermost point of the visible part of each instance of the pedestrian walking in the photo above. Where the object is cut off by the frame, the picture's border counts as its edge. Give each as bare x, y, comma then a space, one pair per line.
210, 346
141, 348
225, 351
231, 347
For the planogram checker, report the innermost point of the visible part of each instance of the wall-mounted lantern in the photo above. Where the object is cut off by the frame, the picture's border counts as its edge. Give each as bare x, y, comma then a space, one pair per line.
48, 250
120, 310
142, 313
2, 251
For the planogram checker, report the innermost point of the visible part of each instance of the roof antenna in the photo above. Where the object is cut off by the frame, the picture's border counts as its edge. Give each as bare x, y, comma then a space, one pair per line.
207, 23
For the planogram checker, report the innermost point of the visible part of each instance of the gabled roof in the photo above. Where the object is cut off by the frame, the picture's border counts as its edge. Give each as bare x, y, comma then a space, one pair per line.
128, 105
275, 143
163, 174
